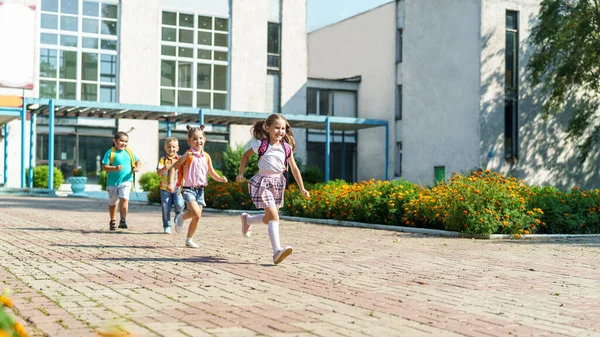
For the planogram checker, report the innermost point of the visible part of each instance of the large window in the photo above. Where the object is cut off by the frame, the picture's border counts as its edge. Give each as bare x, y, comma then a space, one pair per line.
398, 171
399, 45
511, 85
79, 49
399, 103
319, 102
217, 141
194, 60
273, 67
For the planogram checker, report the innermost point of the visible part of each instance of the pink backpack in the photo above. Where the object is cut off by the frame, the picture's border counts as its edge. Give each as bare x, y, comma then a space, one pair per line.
264, 144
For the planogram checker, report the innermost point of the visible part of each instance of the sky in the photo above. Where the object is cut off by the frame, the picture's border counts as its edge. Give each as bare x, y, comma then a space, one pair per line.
320, 13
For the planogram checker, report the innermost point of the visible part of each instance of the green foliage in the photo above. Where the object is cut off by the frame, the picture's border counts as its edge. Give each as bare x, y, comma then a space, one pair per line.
8, 326
40, 177
573, 212
231, 195
154, 194
565, 61
102, 179
312, 175
232, 158
149, 180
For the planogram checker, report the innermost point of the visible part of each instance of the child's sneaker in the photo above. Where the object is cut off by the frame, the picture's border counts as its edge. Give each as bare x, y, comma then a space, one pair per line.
282, 254
190, 243
246, 228
179, 222
167, 230
112, 225
123, 224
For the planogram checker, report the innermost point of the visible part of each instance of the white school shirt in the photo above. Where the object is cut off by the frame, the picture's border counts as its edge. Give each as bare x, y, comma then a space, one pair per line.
273, 161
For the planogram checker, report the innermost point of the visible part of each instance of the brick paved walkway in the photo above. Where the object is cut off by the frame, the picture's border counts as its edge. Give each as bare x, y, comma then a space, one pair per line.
70, 276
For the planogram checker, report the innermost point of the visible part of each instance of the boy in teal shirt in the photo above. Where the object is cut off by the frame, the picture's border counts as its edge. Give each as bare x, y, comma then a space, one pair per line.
120, 164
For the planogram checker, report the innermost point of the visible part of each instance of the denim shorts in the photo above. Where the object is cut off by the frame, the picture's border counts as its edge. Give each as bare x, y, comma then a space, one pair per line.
193, 194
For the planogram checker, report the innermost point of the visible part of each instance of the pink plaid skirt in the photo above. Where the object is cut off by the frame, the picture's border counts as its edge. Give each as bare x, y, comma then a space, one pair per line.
267, 191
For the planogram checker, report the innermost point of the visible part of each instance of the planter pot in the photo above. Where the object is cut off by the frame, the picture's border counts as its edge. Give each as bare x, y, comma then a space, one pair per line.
78, 186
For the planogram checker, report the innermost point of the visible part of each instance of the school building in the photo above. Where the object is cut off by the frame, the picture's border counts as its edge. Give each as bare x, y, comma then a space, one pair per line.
232, 55
450, 78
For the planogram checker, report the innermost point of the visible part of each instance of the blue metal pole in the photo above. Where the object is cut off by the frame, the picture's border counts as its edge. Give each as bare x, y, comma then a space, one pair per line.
31, 153
327, 148
343, 155
23, 120
387, 150
201, 117
168, 129
51, 145
5, 154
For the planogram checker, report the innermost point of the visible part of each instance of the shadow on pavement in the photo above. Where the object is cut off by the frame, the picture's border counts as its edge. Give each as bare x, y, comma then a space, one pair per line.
200, 259
84, 231
105, 246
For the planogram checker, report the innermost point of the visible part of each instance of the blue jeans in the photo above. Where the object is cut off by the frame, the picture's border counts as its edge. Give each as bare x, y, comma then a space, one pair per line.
167, 200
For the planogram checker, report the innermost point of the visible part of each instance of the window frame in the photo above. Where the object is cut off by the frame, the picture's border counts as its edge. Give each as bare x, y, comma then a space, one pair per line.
511, 93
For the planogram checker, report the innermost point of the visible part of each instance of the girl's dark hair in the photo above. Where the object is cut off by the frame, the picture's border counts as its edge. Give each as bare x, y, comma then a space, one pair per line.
259, 130
120, 134
193, 129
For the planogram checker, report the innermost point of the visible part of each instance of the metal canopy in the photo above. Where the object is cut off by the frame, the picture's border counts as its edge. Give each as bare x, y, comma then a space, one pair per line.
70, 108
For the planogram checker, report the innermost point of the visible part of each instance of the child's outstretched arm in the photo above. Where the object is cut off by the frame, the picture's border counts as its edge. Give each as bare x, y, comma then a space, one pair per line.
212, 172
298, 176
243, 163
180, 162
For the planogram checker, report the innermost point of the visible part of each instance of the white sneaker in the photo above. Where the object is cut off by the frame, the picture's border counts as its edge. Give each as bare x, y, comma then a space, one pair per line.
190, 243
282, 254
246, 228
167, 230
179, 222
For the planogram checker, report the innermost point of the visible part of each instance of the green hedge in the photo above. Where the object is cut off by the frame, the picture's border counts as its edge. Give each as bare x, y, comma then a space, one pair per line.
40, 177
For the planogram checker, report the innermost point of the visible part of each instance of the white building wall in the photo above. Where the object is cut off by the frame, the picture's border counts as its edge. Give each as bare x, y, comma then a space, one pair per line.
545, 157
363, 45
440, 76
294, 66
249, 62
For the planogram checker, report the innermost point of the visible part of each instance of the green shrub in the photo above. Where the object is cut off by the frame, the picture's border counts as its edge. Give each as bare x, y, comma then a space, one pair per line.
232, 158
231, 195
40, 177
154, 195
102, 179
149, 180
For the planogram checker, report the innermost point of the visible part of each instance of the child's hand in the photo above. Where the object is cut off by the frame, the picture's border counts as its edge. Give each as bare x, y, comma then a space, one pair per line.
223, 179
118, 168
239, 178
170, 188
305, 192
136, 169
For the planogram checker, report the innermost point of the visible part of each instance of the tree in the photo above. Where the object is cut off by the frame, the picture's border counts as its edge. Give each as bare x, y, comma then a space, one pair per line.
566, 62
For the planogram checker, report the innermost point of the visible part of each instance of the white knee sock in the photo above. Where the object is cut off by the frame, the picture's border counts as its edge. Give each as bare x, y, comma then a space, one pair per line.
255, 219
274, 235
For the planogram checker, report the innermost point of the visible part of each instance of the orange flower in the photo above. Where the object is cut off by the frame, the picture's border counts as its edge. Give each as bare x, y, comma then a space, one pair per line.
5, 301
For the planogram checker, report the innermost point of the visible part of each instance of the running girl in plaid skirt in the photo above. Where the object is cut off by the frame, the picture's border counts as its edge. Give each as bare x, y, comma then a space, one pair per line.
275, 146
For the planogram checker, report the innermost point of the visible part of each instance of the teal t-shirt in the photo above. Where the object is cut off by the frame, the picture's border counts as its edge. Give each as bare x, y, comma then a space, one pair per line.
122, 158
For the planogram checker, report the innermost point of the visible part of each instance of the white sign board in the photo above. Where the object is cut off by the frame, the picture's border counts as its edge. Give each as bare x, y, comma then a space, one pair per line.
17, 42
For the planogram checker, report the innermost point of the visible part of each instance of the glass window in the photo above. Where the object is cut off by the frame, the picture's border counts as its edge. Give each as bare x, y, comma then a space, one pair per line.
203, 99
68, 64
108, 93
89, 25
90, 9
511, 84
50, 6
49, 21
108, 27
48, 61
91, 43
222, 24
109, 11
68, 40
108, 44
220, 77
273, 38
67, 90
399, 46
89, 71
399, 103
203, 76
185, 80
48, 38
68, 23
108, 68
167, 71
69, 6
89, 92
169, 18
168, 50
47, 89
311, 101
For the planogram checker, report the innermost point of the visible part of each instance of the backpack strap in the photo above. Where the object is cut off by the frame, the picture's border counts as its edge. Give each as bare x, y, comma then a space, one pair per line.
288, 152
113, 150
264, 145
